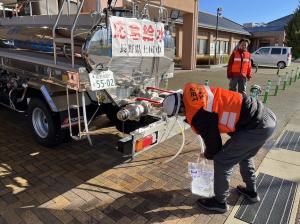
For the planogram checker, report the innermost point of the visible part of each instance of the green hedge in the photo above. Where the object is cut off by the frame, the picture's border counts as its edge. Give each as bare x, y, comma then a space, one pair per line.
204, 60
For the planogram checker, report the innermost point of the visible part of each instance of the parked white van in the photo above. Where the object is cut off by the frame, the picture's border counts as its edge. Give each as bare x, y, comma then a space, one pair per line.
280, 57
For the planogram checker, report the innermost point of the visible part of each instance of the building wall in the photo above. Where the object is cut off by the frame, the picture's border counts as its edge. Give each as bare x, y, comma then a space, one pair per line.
205, 42
268, 39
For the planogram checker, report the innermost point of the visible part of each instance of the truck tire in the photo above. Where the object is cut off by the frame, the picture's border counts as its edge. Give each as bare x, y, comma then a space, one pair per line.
45, 124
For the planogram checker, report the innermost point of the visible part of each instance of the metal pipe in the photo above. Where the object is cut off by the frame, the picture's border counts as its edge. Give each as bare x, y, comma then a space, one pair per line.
216, 39
30, 8
7, 106
98, 5
23, 95
69, 113
69, 7
12, 106
160, 90
16, 8
54, 30
3, 9
72, 33
85, 118
78, 113
148, 100
47, 7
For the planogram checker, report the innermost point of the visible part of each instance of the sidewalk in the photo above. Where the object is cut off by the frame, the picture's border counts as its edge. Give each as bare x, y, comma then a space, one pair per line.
286, 107
76, 183
283, 162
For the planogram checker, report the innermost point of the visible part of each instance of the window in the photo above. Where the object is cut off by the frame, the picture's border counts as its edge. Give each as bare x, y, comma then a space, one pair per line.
276, 51
224, 47
263, 51
226, 50
218, 47
284, 51
235, 45
202, 46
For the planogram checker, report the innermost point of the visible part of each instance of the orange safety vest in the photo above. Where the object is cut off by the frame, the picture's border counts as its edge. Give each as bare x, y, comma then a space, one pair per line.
227, 104
241, 64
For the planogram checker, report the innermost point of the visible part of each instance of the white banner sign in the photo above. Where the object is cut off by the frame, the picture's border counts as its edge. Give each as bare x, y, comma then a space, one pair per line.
132, 37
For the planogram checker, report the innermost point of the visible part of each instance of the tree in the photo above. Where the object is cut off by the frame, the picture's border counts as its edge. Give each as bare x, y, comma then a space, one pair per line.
293, 33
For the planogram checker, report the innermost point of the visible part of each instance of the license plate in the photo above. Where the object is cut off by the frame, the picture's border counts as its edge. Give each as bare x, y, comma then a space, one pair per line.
102, 80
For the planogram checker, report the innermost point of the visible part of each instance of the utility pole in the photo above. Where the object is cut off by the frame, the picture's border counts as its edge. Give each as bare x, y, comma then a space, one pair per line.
219, 13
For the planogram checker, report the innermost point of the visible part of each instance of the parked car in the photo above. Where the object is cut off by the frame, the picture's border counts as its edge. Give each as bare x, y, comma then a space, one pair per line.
280, 57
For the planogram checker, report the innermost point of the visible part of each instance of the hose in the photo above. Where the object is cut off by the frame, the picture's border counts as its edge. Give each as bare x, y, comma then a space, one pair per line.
182, 144
202, 146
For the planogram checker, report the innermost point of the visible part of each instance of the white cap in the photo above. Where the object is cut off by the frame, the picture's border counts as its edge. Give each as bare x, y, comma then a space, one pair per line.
172, 103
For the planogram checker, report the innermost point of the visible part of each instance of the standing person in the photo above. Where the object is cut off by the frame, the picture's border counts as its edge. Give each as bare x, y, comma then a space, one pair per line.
211, 111
239, 67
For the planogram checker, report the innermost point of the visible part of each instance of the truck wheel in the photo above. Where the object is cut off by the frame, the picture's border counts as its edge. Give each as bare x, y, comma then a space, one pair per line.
45, 124
281, 65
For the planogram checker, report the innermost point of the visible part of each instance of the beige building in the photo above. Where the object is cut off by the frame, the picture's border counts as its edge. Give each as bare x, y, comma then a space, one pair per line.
229, 34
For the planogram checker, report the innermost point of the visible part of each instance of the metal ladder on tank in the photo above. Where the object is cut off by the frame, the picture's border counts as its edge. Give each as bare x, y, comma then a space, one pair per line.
70, 41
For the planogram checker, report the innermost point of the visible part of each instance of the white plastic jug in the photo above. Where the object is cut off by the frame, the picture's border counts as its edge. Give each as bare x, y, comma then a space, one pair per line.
202, 174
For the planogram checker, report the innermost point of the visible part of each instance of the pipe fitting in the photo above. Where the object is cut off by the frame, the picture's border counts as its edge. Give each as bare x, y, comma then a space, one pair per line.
134, 112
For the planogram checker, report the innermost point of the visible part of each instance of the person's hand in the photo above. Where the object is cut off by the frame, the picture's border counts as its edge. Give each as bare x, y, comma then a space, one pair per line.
202, 156
229, 76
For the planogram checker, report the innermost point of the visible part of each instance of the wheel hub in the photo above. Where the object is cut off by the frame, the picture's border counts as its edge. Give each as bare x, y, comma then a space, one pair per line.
40, 123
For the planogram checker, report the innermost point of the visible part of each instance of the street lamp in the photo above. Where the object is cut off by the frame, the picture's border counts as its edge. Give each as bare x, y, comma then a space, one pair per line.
219, 13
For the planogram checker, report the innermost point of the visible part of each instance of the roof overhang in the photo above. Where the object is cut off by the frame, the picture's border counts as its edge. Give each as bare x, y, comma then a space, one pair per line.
223, 29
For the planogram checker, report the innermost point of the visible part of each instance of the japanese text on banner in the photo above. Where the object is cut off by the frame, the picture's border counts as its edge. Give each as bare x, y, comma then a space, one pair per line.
132, 37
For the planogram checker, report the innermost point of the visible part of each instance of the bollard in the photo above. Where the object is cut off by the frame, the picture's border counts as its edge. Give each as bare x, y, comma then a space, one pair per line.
291, 77
266, 97
296, 75
285, 81
206, 83
277, 86
278, 71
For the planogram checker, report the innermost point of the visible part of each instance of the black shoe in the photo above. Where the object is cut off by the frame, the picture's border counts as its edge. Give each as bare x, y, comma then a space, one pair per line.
212, 204
250, 195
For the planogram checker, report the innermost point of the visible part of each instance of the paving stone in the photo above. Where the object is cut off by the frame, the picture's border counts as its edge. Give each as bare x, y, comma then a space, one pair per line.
202, 219
217, 219
29, 217
62, 215
2, 220
76, 183
113, 213
80, 215
11, 216
46, 216
96, 214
